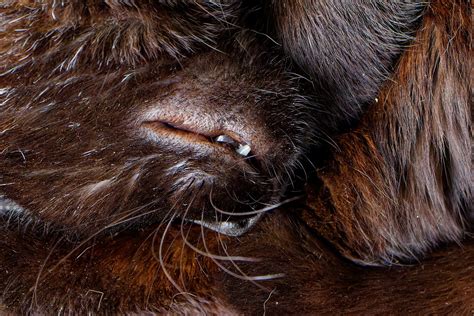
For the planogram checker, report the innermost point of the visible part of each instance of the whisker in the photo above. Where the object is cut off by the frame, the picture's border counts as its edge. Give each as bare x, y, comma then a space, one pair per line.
160, 254
121, 220
160, 249
214, 256
256, 212
242, 275
40, 272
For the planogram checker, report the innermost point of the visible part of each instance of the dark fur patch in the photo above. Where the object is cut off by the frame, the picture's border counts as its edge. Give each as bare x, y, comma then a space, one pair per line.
104, 225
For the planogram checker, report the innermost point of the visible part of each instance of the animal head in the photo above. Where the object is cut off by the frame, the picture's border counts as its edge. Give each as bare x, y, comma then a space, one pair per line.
130, 114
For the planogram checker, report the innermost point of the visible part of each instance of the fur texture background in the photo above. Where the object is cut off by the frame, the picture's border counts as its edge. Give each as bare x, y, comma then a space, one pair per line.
363, 106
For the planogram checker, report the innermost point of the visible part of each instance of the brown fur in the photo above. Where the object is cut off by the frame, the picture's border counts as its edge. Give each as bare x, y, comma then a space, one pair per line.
318, 281
104, 224
104, 227
409, 159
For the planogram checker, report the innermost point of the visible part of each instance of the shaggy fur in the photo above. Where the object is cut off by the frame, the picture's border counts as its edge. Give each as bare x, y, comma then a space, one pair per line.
106, 203
409, 159
96, 209
103, 82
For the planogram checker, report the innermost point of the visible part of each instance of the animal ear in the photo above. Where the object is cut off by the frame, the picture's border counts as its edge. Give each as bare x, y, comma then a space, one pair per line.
347, 48
401, 183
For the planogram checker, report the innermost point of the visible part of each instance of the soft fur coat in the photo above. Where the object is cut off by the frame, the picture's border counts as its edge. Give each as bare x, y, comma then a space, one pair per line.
359, 115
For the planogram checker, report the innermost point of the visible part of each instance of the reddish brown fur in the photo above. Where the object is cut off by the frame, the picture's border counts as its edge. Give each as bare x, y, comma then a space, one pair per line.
396, 188
318, 281
408, 160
